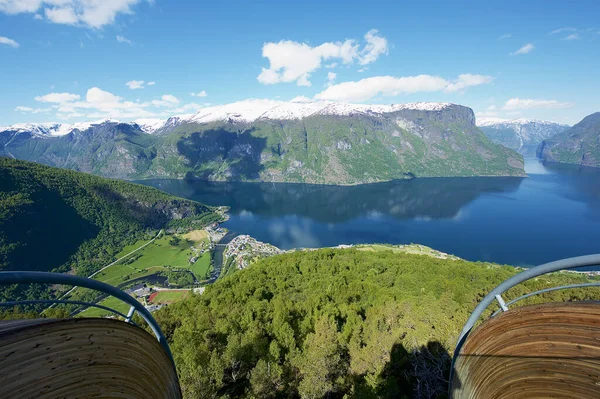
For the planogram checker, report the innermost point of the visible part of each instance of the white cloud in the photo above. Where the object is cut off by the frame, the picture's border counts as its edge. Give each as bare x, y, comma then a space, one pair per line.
560, 30
23, 109
291, 61
376, 46
361, 70
61, 15
8, 42
466, 80
99, 103
334, 64
505, 36
19, 6
528, 48
123, 39
184, 109
368, 88
573, 36
91, 13
151, 83
135, 84
167, 100
523, 103
301, 99
199, 94
57, 98
330, 78
32, 110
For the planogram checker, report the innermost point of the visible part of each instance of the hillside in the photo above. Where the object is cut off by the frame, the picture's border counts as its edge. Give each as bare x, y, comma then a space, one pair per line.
54, 219
521, 135
579, 145
366, 323
261, 140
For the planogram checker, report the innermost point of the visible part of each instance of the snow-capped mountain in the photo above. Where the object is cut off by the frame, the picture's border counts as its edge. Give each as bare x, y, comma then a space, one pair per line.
252, 110
247, 111
522, 134
264, 140
50, 129
38, 129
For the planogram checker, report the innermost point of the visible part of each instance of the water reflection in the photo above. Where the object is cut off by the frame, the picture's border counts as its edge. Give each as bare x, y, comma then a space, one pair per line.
552, 214
410, 199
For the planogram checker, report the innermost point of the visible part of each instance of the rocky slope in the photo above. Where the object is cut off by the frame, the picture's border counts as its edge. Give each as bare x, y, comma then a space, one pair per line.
579, 145
262, 140
522, 135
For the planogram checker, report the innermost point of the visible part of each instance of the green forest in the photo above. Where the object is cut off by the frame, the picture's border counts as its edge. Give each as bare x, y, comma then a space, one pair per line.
60, 220
334, 323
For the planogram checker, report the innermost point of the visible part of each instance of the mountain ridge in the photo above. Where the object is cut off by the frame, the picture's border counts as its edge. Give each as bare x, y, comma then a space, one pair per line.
522, 135
241, 111
261, 140
578, 145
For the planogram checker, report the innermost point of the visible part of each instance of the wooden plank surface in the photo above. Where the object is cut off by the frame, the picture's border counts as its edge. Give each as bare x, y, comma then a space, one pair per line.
539, 351
83, 358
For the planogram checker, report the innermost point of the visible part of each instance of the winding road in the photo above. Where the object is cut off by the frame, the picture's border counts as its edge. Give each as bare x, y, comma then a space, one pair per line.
113, 263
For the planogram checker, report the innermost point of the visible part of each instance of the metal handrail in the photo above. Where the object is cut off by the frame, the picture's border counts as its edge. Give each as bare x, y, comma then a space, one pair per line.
562, 287
27, 277
67, 302
496, 295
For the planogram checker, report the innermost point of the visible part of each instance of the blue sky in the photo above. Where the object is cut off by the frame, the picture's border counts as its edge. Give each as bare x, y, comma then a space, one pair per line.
68, 61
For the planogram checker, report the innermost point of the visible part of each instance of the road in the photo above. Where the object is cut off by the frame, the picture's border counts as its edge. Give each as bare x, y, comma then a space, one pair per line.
107, 266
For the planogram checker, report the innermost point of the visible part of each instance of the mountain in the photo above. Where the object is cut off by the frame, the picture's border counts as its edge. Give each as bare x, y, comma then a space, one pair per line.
262, 140
522, 135
56, 219
579, 145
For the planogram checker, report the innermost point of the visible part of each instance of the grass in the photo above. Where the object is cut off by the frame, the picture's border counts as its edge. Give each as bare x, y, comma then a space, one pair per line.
196, 236
202, 267
110, 302
161, 253
169, 296
408, 249
150, 260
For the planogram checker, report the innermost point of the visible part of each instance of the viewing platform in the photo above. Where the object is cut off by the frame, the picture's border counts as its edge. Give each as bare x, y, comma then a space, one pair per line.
544, 350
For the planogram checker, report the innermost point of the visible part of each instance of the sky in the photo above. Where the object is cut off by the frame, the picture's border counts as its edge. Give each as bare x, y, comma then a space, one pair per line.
78, 60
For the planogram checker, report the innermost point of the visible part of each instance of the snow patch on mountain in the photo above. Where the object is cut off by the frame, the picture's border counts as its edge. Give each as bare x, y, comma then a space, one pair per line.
514, 122
246, 111
252, 110
51, 129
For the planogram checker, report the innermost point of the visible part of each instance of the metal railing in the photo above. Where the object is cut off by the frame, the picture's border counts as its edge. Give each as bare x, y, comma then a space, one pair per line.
496, 295
7, 278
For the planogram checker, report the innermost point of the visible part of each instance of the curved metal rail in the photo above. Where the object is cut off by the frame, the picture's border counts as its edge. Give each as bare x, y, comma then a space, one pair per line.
62, 301
496, 294
7, 278
562, 287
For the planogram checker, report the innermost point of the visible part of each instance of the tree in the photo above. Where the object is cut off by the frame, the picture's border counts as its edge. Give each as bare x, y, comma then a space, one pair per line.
321, 362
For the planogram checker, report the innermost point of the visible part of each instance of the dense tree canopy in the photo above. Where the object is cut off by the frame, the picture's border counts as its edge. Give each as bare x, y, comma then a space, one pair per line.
55, 219
333, 323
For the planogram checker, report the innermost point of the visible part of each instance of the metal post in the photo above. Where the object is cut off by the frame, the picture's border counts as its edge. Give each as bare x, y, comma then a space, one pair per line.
501, 303
130, 314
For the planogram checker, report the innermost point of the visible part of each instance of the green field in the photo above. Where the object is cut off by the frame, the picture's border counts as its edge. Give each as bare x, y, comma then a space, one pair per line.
153, 257
202, 267
161, 253
110, 302
169, 296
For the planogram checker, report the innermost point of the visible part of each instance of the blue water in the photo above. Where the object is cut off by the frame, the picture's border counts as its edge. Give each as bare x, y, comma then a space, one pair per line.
554, 213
